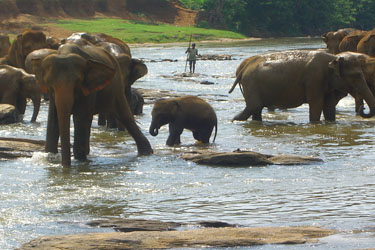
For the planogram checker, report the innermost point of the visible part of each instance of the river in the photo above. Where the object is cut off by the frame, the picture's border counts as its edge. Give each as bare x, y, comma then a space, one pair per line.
38, 197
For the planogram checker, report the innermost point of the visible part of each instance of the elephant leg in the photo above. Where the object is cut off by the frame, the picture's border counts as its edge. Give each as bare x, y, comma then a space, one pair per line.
196, 135
52, 137
120, 127
102, 120
174, 135
257, 115
21, 105
329, 108
206, 134
125, 116
82, 127
316, 110
358, 104
111, 121
243, 116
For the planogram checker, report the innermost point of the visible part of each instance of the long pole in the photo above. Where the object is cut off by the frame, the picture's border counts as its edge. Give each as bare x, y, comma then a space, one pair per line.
188, 53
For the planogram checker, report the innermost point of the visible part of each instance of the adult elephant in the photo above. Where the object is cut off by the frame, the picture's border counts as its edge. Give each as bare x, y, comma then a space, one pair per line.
84, 81
333, 39
24, 43
16, 86
367, 44
350, 42
368, 68
4, 44
290, 78
132, 70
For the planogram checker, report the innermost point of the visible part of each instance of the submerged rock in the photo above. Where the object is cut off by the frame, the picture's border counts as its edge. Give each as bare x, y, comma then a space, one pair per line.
131, 225
200, 238
246, 158
212, 57
11, 148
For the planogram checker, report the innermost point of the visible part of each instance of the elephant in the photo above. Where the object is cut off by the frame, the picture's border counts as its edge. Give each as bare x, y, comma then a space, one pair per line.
4, 44
333, 39
84, 81
24, 43
290, 78
32, 65
367, 44
350, 42
368, 68
16, 86
188, 112
137, 70
124, 48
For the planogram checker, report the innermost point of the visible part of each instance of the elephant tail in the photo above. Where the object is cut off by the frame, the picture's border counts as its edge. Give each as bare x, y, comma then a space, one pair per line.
215, 132
238, 79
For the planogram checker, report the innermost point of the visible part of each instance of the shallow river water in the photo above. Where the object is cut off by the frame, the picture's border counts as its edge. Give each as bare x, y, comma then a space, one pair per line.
38, 197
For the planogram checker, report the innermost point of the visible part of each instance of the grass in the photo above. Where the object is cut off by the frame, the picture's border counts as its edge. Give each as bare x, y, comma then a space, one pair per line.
133, 32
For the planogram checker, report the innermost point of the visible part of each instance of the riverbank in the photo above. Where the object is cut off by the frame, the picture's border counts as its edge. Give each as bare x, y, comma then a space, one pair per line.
130, 31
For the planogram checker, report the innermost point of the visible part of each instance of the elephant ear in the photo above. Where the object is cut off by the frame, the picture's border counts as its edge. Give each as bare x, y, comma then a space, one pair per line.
139, 69
97, 77
175, 108
335, 65
38, 71
325, 38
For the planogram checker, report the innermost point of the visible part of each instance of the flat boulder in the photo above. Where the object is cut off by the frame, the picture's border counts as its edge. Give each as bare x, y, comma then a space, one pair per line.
246, 158
8, 114
199, 238
237, 158
11, 148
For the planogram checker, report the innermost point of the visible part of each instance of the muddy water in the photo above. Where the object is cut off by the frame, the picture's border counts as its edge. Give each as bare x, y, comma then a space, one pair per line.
38, 197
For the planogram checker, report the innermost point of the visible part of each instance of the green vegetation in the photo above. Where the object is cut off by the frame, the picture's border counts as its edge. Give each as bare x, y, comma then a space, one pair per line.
132, 32
286, 17
192, 4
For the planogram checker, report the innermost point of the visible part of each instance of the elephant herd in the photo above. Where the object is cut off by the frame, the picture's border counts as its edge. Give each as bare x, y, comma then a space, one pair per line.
87, 74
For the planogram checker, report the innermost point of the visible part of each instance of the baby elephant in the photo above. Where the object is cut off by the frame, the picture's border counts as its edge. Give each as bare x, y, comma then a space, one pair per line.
188, 112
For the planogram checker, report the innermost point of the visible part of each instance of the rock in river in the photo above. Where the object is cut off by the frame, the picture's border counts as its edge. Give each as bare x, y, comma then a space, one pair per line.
200, 238
246, 158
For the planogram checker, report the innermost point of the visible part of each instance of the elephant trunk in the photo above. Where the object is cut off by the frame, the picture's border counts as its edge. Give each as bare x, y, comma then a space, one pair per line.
370, 100
36, 103
64, 103
154, 130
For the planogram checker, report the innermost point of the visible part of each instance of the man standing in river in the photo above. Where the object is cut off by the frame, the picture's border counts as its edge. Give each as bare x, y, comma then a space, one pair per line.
192, 57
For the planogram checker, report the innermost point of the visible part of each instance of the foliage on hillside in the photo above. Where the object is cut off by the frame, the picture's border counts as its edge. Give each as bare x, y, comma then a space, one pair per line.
286, 17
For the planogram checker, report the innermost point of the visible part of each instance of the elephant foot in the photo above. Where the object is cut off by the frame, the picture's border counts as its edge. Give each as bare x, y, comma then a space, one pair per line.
243, 116
145, 151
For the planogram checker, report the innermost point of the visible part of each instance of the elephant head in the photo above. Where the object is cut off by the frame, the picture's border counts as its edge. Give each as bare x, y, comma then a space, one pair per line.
132, 69
25, 43
333, 39
367, 44
349, 75
163, 112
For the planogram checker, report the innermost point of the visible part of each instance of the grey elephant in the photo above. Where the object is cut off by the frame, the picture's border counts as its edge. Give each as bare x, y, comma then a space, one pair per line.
188, 112
16, 86
83, 81
334, 38
291, 78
